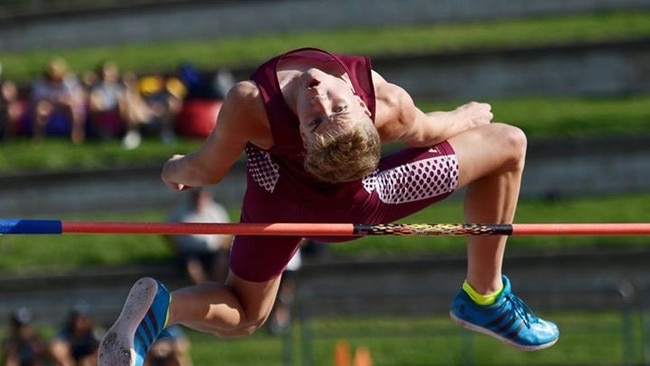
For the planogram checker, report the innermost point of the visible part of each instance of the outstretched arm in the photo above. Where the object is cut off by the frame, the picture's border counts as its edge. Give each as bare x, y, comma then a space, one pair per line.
399, 119
239, 121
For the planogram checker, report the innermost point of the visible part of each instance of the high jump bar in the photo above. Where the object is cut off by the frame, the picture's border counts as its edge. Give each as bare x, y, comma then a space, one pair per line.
31, 226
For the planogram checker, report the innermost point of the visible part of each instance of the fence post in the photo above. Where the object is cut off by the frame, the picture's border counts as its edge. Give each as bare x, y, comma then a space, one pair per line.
287, 346
306, 346
466, 347
626, 291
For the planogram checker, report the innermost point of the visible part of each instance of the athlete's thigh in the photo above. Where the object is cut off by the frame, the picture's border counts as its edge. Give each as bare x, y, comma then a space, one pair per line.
259, 258
486, 150
413, 179
256, 297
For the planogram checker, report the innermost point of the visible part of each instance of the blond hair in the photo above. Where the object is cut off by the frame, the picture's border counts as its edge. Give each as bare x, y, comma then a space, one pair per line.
344, 154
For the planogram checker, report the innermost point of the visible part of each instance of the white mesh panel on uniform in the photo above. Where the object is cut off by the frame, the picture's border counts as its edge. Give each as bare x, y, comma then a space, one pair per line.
415, 181
262, 169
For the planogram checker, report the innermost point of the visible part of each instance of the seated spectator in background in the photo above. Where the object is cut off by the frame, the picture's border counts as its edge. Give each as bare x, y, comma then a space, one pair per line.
105, 102
11, 109
87, 80
205, 94
134, 112
172, 348
202, 257
77, 342
58, 98
154, 109
23, 346
205, 85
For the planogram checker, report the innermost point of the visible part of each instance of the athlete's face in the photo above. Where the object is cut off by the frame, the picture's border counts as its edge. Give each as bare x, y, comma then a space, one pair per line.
325, 102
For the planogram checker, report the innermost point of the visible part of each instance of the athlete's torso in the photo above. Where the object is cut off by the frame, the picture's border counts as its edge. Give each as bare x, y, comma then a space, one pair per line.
279, 169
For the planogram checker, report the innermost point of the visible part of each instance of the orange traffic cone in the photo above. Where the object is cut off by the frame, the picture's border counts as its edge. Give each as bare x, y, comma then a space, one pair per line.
362, 357
342, 353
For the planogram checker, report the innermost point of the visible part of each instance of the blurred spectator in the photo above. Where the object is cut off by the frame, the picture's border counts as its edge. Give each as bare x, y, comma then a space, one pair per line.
106, 102
58, 100
11, 109
202, 257
154, 108
170, 349
202, 85
135, 111
314, 251
23, 345
77, 342
205, 93
88, 79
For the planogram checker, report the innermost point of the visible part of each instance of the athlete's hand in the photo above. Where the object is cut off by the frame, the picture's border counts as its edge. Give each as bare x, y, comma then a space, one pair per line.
170, 172
475, 114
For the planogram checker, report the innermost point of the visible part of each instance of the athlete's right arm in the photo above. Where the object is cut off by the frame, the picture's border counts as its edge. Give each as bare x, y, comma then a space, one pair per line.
241, 119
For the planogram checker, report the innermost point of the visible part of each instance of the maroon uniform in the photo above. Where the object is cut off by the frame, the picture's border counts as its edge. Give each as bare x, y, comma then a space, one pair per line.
280, 190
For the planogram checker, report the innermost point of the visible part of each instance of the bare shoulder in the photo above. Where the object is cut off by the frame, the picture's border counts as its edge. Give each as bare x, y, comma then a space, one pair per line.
395, 110
243, 92
243, 114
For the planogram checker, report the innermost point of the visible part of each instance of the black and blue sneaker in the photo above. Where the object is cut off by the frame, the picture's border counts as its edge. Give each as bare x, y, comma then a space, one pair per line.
509, 319
142, 320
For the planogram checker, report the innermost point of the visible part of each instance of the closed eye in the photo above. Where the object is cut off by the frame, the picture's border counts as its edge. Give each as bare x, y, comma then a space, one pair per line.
314, 123
340, 108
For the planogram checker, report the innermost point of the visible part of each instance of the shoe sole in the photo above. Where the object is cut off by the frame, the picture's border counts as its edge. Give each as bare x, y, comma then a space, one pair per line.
117, 347
509, 342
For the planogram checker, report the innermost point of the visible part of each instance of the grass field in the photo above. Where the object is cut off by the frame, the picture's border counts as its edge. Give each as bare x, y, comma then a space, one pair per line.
592, 338
587, 338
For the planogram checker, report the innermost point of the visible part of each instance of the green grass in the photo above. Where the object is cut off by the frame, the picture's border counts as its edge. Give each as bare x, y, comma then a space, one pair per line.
56, 154
588, 338
570, 117
33, 253
238, 51
539, 117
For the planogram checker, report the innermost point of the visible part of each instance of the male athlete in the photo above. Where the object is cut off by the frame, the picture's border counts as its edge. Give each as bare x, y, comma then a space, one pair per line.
311, 124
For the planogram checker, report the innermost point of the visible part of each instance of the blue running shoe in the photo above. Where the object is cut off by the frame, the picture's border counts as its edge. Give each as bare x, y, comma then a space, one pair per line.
508, 320
141, 321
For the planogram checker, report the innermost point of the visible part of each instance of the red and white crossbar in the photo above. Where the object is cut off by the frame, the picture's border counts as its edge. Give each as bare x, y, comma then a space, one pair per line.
30, 226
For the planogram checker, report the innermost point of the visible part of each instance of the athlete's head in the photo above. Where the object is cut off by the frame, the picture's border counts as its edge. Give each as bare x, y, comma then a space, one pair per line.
340, 137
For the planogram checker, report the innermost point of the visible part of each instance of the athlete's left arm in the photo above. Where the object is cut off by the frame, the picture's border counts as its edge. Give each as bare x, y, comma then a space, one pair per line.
399, 119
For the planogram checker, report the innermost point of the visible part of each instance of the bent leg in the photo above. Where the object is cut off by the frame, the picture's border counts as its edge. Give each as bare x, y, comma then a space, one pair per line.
491, 163
236, 308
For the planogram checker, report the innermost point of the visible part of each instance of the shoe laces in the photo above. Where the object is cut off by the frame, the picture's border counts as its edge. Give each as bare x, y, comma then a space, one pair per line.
520, 307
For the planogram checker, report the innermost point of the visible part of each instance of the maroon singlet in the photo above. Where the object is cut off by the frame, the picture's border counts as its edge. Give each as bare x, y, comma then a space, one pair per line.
280, 190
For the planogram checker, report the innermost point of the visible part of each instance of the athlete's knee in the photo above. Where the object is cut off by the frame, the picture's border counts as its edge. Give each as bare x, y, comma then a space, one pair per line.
251, 328
514, 141
243, 329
